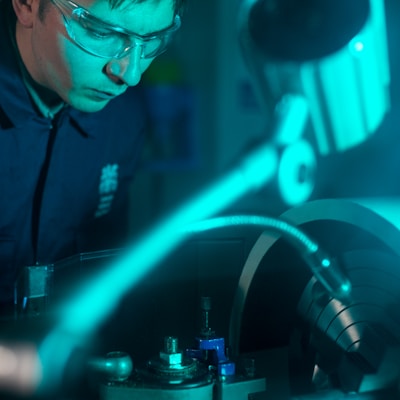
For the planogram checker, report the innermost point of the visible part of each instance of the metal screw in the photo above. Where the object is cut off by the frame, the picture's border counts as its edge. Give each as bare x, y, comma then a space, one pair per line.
170, 344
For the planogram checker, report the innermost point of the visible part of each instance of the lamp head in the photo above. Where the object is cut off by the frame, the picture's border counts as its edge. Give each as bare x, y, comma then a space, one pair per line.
305, 30
332, 52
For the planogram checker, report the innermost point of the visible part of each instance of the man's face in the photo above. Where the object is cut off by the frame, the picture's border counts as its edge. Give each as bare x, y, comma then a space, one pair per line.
86, 81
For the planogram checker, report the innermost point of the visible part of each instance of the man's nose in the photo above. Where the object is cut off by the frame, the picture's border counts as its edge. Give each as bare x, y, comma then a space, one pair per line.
128, 69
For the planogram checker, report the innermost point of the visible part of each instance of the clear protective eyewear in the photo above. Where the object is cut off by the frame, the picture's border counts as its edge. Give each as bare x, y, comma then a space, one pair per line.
105, 40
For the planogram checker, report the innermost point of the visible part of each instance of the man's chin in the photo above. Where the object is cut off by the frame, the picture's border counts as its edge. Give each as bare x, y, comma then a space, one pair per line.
90, 107
87, 105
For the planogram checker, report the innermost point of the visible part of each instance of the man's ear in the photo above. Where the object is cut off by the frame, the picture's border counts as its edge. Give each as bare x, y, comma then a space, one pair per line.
25, 11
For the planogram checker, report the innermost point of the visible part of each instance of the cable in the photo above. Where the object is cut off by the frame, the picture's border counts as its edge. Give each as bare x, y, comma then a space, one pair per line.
325, 269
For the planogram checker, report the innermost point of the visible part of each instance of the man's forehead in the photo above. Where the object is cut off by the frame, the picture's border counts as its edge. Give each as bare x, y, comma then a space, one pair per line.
140, 17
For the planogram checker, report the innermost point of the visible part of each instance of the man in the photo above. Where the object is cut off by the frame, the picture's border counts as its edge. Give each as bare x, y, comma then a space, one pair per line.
71, 122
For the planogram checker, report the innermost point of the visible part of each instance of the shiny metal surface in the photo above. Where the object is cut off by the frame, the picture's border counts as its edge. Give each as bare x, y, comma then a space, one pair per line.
357, 344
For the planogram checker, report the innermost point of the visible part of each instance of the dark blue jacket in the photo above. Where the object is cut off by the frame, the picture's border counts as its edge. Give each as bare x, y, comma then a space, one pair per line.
63, 185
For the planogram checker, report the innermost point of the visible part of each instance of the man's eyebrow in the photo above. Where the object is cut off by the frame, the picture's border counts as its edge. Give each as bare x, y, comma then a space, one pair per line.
94, 18
163, 30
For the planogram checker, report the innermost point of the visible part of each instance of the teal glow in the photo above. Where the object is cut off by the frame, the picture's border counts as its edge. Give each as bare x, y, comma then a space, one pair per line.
348, 92
358, 46
378, 23
296, 174
297, 163
346, 287
290, 232
293, 115
96, 300
373, 90
88, 308
341, 84
308, 73
325, 263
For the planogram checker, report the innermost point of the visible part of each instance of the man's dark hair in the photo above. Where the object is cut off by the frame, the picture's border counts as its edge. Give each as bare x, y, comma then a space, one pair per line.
178, 5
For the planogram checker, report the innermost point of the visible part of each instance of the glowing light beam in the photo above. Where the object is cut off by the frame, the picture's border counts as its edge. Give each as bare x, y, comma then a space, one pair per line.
96, 301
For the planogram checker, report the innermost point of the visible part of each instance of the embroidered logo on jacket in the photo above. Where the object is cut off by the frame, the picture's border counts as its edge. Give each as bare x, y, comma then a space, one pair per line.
107, 188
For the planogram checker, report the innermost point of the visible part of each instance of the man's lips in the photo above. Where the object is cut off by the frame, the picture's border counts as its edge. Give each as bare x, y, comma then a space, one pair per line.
105, 95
